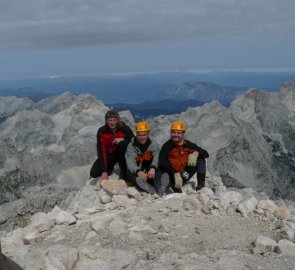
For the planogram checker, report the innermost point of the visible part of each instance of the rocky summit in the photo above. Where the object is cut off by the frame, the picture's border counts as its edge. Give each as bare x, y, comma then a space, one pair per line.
53, 217
117, 227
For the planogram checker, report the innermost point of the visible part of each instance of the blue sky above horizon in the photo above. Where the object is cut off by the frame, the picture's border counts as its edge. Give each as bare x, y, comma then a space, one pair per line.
71, 37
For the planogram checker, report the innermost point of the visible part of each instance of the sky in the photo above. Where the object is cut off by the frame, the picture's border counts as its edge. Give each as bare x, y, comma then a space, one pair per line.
71, 37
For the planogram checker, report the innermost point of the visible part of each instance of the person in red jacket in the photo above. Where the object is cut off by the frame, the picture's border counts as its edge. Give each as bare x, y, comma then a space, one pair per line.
112, 141
180, 159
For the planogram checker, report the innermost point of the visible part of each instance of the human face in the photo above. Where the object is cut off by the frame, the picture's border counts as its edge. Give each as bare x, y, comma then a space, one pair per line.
142, 137
112, 123
177, 136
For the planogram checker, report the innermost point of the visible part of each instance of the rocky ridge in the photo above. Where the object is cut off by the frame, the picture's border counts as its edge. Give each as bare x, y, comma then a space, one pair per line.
118, 227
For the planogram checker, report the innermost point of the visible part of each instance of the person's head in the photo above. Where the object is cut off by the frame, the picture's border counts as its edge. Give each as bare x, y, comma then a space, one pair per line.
177, 131
112, 119
142, 132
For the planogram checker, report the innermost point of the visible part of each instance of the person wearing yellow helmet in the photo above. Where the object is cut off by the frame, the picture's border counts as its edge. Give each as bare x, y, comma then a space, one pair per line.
142, 159
180, 159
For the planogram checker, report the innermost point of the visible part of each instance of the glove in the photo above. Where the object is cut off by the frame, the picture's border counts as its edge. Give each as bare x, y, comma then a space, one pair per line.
178, 180
192, 159
142, 175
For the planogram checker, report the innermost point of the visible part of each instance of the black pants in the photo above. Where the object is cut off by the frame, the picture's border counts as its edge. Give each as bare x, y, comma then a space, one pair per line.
112, 159
200, 169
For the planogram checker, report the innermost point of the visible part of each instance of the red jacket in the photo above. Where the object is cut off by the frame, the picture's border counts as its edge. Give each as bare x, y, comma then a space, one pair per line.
105, 145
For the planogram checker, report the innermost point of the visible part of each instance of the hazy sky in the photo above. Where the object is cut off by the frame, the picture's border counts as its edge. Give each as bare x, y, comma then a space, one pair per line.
59, 37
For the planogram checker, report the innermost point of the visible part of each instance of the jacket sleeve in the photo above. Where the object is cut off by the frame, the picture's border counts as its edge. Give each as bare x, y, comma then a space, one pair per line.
128, 135
163, 159
202, 152
155, 150
130, 159
101, 152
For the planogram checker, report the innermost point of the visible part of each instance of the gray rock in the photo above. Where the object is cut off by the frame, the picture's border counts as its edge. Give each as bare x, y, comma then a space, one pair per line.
31, 238
247, 206
263, 245
104, 197
286, 247
123, 201
98, 258
285, 233
228, 198
62, 217
42, 222
282, 213
117, 227
267, 205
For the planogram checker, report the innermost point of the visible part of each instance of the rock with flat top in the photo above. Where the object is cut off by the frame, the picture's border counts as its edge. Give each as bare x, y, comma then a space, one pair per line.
114, 187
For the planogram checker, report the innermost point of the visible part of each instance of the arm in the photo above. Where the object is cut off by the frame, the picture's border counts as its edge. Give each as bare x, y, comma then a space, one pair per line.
155, 150
130, 159
163, 158
202, 152
101, 151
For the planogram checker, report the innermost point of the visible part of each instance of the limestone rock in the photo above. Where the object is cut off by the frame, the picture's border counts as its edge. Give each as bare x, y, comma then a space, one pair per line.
267, 205
104, 197
114, 187
228, 198
263, 245
247, 205
285, 233
282, 213
31, 238
42, 222
132, 192
286, 247
123, 201
98, 258
62, 217
117, 227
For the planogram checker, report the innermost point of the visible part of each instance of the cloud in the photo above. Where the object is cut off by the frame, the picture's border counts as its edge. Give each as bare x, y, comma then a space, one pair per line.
66, 24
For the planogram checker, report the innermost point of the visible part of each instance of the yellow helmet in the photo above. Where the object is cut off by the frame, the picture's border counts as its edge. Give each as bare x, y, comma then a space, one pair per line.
178, 125
142, 127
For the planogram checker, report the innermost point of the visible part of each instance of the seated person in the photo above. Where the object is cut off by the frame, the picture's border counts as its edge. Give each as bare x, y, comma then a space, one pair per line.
180, 159
112, 141
142, 160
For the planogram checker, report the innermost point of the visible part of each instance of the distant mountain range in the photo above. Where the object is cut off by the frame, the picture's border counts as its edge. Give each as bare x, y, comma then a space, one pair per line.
150, 109
149, 95
138, 88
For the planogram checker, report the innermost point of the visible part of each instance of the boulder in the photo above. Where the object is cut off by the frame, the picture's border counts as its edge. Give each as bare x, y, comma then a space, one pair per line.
282, 213
114, 187
286, 247
247, 205
263, 245
267, 205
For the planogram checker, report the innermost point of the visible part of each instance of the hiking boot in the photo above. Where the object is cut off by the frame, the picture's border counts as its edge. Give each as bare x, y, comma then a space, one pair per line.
144, 185
164, 182
177, 190
199, 187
